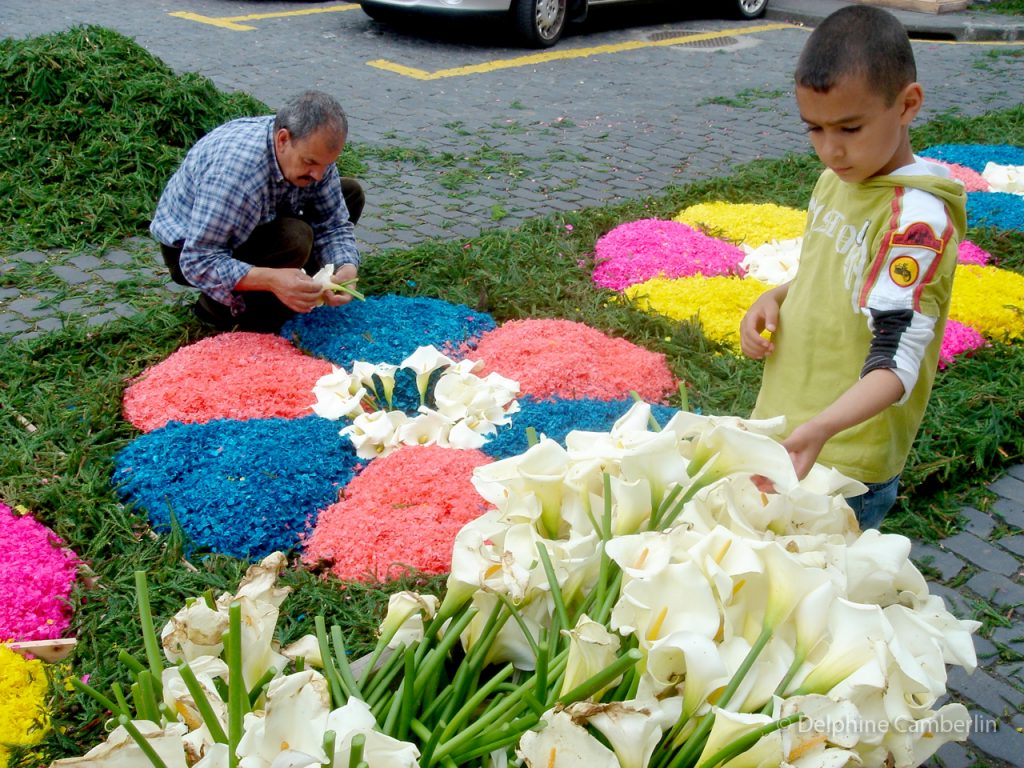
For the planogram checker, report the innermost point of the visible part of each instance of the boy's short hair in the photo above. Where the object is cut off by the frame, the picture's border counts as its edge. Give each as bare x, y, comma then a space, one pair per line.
858, 40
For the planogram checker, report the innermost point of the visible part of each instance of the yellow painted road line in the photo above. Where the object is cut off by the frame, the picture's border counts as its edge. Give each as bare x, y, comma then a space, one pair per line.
231, 22
566, 53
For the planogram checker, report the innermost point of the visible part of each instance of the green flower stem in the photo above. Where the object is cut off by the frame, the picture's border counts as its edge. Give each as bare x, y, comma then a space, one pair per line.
684, 397
202, 704
347, 678
122, 702
665, 504
375, 654
133, 664
257, 690
149, 638
237, 694
556, 590
208, 599
745, 742
409, 697
605, 531
531, 437
604, 610
300, 663
677, 507
355, 750
347, 288
382, 696
514, 613
330, 671
475, 701
429, 738
780, 689
508, 734
329, 745
378, 686
507, 708
439, 654
98, 697
694, 743
141, 741
603, 678
147, 694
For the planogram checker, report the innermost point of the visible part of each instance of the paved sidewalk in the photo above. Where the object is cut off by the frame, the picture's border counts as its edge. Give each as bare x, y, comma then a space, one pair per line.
597, 141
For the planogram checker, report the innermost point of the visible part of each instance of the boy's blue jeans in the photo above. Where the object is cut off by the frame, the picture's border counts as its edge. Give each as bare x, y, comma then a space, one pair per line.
872, 507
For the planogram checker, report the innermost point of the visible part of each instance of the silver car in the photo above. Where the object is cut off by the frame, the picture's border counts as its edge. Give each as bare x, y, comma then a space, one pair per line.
539, 23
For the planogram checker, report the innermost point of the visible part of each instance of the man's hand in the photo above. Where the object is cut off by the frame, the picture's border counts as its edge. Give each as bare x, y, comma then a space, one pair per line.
763, 315
293, 287
347, 273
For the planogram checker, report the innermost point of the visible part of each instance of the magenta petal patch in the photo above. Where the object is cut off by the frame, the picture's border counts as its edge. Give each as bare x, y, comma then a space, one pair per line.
640, 250
35, 581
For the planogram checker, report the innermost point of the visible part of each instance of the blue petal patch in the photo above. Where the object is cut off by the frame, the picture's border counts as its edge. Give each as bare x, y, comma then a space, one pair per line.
385, 329
976, 156
557, 418
240, 488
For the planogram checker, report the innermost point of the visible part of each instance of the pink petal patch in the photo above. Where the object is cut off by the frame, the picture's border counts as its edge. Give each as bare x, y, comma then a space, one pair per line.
959, 339
640, 250
560, 358
971, 179
35, 580
402, 511
229, 376
973, 254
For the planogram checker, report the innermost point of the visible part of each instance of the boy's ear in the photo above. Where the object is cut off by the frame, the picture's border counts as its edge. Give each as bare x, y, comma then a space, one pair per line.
911, 99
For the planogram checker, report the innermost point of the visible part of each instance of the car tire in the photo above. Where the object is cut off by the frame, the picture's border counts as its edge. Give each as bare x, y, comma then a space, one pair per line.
540, 23
747, 9
378, 11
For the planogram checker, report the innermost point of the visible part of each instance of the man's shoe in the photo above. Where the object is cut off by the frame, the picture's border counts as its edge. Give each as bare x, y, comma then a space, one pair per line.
213, 313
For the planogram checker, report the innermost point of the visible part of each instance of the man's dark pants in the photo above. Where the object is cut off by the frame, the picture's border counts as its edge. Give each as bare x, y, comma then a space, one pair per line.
285, 242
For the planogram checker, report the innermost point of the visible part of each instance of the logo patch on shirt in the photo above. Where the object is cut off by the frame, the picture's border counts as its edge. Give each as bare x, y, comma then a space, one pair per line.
918, 235
904, 271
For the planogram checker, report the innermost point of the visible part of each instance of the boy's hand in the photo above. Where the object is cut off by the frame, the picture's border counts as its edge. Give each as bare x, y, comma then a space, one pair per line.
804, 445
763, 315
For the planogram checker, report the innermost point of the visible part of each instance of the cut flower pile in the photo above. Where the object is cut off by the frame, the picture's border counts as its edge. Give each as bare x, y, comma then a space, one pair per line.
629, 599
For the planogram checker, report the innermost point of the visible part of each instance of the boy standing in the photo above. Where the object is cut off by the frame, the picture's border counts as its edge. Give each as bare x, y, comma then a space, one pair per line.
855, 337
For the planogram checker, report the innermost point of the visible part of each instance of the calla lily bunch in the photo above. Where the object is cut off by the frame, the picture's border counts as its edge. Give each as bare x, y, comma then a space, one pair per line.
633, 599
456, 407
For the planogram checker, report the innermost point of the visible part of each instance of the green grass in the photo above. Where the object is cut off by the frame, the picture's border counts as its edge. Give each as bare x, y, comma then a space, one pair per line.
1005, 7
60, 420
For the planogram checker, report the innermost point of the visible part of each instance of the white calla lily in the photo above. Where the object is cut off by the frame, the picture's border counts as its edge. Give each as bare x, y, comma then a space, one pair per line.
676, 598
730, 726
855, 632
561, 743
294, 721
121, 751
592, 648
632, 728
690, 662
423, 362
403, 622
380, 750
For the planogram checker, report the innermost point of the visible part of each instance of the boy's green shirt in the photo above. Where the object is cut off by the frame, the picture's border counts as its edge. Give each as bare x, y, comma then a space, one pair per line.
875, 245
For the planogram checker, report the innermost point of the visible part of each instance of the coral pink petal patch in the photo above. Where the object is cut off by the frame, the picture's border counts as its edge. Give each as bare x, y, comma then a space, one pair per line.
35, 581
970, 178
639, 250
562, 358
958, 339
402, 511
230, 376
973, 254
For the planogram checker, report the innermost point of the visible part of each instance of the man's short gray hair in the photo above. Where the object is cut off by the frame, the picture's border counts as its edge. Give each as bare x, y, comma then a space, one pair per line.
309, 112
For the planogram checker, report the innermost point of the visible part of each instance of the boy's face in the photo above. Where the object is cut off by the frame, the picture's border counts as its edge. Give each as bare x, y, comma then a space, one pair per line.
855, 132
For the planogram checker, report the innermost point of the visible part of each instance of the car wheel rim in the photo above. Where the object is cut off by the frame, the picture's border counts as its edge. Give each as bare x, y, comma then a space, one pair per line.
752, 7
549, 17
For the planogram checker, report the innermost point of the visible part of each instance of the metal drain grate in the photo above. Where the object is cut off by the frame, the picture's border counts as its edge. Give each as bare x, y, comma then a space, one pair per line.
722, 41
